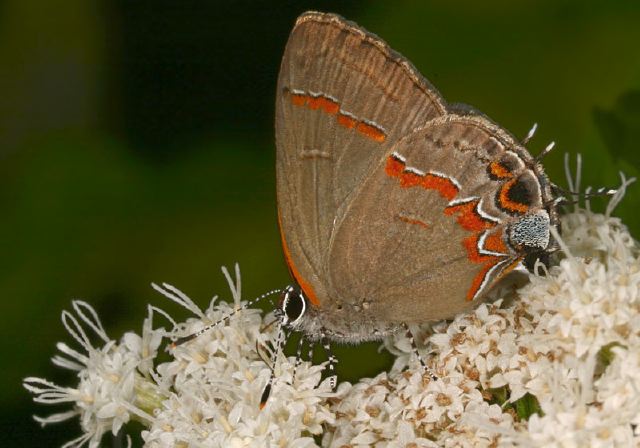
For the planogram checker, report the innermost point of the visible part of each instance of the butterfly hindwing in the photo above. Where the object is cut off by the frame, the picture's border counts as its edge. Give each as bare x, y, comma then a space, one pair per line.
426, 235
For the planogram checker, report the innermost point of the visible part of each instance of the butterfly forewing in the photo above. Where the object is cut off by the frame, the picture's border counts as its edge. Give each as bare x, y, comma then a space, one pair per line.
343, 99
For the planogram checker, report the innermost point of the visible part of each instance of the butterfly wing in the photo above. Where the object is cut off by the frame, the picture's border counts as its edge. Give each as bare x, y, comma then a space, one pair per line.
426, 234
344, 99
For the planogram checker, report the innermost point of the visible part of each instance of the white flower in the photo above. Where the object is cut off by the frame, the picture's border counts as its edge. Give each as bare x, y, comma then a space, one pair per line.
105, 395
555, 363
217, 381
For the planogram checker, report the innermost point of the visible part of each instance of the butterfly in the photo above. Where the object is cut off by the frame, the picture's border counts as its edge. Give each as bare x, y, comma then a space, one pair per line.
394, 206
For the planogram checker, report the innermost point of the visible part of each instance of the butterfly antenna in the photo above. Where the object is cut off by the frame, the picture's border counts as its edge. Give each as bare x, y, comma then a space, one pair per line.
530, 134
580, 196
203, 330
556, 201
281, 339
545, 151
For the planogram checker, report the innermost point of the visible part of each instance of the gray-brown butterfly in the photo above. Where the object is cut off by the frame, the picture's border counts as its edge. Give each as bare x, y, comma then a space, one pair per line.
394, 206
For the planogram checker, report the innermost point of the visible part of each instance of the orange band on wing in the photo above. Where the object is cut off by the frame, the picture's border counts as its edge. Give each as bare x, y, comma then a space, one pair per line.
371, 131
468, 216
478, 280
444, 186
394, 167
330, 106
347, 121
471, 243
298, 100
471, 219
307, 289
495, 243
412, 221
325, 104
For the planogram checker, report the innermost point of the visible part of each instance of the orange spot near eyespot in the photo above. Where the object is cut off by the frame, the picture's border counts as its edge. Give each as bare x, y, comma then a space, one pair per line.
495, 243
498, 170
347, 121
507, 203
307, 289
412, 221
468, 216
371, 132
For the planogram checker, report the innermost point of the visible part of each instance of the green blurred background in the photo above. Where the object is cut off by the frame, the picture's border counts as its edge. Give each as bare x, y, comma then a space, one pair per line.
136, 140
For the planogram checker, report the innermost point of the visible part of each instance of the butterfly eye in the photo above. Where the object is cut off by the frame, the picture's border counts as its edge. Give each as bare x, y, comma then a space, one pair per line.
293, 305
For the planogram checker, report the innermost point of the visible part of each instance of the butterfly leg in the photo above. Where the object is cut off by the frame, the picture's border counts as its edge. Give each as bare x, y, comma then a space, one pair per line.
281, 340
332, 361
416, 352
312, 345
298, 358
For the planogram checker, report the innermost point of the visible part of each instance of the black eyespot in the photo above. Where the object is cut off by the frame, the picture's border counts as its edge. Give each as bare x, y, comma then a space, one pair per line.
293, 305
521, 193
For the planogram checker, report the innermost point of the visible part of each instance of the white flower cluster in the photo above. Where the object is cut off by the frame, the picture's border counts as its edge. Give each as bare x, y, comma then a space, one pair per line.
564, 351
553, 363
217, 382
208, 394
109, 376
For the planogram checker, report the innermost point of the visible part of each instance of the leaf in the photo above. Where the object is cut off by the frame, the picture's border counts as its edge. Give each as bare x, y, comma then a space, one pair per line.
526, 406
605, 357
620, 127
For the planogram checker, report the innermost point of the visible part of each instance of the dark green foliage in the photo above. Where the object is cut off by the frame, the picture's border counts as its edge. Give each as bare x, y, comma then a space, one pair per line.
620, 127
524, 407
